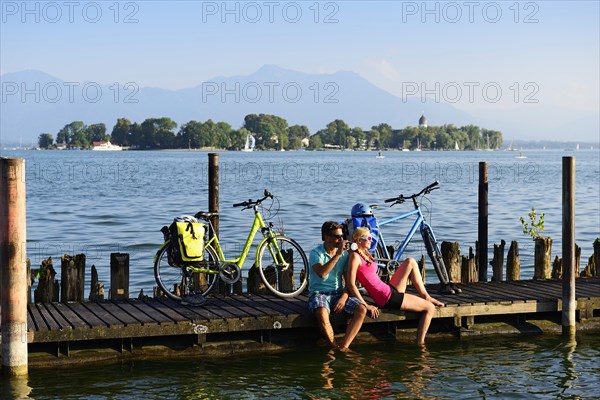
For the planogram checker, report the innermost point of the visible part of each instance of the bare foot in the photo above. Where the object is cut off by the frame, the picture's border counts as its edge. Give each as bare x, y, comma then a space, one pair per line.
346, 350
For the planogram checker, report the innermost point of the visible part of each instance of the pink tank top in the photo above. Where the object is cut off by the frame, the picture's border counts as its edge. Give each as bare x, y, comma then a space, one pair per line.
379, 291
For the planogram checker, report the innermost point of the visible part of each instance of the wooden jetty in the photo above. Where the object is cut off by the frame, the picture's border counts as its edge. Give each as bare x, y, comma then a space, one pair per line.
49, 333
91, 331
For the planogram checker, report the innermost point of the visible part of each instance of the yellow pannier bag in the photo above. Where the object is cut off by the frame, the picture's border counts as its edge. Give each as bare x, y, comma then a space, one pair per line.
188, 239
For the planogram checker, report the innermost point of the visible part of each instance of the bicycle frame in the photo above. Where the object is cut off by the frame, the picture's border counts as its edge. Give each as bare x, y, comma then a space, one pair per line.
258, 224
418, 224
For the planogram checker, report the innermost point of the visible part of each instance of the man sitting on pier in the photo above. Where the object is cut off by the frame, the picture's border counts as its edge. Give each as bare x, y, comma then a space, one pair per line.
328, 265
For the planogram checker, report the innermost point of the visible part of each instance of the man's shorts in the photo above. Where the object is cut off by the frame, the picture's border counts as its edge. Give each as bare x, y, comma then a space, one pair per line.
328, 300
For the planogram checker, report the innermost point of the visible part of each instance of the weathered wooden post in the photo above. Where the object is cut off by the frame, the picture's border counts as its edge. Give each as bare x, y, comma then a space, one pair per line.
542, 257
513, 262
213, 207
72, 277
593, 266
557, 265
482, 237
422, 268
498, 261
213, 189
28, 262
469, 268
48, 288
13, 266
96, 287
451, 255
569, 304
597, 256
119, 276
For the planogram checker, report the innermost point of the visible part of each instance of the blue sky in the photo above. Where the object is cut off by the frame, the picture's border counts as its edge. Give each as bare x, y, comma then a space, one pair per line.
541, 55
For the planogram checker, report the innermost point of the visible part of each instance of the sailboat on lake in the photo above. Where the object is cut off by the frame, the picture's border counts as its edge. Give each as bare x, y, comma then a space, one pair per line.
250, 141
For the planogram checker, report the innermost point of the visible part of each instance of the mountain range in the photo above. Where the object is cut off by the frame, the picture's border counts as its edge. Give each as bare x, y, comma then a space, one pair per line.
34, 102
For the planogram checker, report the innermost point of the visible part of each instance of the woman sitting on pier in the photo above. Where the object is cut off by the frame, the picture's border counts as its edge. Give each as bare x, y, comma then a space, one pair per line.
392, 296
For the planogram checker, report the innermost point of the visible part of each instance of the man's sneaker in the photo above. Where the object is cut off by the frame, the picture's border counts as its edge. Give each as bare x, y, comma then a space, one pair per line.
445, 289
193, 300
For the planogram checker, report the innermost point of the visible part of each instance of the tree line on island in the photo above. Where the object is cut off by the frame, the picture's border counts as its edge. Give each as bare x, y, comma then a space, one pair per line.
270, 133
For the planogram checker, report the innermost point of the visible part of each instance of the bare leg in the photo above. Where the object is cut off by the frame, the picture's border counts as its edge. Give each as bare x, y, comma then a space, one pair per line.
354, 326
410, 269
415, 303
322, 316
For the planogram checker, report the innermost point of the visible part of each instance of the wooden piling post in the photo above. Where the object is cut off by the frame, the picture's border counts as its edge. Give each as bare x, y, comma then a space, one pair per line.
469, 268
48, 288
569, 304
556, 268
13, 267
482, 236
119, 276
498, 261
96, 288
29, 281
542, 257
451, 256
513, 262
72, 277
213, 189
593, 267
597, 256
422, 268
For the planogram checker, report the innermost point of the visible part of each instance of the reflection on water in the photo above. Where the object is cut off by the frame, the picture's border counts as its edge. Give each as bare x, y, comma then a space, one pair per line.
14, 388
509, 367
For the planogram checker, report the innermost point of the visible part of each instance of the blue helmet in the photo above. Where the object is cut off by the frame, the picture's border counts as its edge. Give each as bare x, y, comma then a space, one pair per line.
361, 210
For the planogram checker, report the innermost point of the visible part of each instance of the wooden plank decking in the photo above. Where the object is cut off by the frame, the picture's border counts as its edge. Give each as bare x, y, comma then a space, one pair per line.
63, 325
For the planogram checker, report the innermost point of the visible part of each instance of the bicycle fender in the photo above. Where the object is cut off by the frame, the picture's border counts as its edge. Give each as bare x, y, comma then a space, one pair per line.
165, 244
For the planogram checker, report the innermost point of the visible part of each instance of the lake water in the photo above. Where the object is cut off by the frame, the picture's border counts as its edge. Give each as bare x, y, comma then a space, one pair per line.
98, 203
525, 367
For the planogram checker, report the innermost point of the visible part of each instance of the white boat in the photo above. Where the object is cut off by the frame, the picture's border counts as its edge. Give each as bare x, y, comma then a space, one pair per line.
380, 155
521, 156
418, 148
105, 146
456, 145
250, 141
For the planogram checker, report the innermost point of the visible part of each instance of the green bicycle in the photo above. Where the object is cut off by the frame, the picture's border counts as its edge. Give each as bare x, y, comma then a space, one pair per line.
281, 262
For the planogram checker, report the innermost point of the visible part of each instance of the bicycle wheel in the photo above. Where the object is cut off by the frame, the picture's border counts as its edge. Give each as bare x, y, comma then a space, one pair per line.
285, 277
180, 280
435, 255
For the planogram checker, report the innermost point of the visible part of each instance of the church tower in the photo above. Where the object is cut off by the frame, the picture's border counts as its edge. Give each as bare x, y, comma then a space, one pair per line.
422, 121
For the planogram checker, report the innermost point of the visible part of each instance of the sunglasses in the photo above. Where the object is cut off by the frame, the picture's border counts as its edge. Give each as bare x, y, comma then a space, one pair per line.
337, 236
366, 238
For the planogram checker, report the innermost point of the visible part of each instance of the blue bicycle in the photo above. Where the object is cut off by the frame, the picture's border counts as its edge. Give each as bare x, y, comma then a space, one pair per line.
388, 263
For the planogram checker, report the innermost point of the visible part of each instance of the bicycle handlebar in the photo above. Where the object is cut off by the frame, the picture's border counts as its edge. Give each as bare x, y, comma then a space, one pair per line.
250, 202
400, 199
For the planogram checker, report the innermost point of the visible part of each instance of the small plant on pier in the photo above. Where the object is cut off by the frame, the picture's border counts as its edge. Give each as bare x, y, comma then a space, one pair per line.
535, 226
